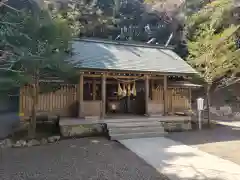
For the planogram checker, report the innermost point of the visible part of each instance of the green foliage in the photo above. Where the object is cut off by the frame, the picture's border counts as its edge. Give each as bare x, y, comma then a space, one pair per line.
193, 6
212, 41
83, 17
113, 19
35, 45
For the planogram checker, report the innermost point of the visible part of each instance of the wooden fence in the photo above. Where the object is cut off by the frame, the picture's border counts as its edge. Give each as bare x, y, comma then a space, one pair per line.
61, 102
178, 99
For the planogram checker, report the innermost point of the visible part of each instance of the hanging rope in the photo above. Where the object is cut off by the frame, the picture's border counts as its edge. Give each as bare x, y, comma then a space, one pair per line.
134, 92
128, 81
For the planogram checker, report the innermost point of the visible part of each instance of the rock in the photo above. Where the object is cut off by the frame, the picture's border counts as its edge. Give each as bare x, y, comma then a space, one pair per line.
98, 128
76, 130
20, 143
177, 126
53, 139
226, 110
33, 142
44, 141
236, 116
189, 112
6, 143
82, 130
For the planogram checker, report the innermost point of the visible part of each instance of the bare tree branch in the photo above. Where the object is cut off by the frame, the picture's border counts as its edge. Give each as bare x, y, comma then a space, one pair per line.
4, 4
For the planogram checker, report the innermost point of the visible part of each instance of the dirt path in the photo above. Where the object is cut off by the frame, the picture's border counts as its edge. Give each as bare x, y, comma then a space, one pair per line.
222, 141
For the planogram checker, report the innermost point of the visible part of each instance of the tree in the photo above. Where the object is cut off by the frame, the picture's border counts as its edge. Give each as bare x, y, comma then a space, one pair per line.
86, 18
193, 6
35, 47
212, 43
123, 20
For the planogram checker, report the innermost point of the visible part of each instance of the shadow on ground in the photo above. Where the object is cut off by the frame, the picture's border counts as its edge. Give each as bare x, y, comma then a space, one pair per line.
222, 141
219, 133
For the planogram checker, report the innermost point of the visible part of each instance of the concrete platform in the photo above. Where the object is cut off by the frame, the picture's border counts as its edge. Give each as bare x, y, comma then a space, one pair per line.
181, 162
126, 127
121, 119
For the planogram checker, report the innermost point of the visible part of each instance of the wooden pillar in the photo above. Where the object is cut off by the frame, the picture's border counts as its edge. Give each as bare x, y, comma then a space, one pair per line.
151, 88
165, 100
94, 89
81, 88
146, 94
190, 98
171, 100
103, 109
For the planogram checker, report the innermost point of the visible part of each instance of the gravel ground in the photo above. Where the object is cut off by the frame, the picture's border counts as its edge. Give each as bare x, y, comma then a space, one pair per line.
79, 159
222, 141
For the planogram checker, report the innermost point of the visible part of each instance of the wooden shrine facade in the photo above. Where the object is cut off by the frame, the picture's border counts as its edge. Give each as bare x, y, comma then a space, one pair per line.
97, 95
142, 93
118, 78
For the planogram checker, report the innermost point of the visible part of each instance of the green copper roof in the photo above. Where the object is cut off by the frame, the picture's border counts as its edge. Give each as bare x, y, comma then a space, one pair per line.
128, 57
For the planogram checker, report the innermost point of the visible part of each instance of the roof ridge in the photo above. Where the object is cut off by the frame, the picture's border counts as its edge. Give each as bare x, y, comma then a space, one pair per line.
125, 43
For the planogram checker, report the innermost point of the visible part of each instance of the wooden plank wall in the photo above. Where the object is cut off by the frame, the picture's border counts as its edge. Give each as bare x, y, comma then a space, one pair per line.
177, 98
58, 102
92, 108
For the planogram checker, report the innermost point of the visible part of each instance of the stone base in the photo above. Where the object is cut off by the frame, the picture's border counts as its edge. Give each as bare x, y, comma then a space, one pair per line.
82, 130
91, 117
177, 126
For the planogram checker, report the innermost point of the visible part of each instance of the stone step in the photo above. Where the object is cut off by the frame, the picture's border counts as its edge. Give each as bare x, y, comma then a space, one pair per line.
132, 120
150, 119
123, 130
134, 124
136, 135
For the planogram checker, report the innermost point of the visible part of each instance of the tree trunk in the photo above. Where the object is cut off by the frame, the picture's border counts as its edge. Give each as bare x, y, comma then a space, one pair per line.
33, 120
208, 99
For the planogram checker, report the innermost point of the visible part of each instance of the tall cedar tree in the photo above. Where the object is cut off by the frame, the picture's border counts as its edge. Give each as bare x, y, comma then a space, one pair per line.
35, 46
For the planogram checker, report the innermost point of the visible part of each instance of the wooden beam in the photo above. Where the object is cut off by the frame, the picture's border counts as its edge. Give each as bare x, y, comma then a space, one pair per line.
156, 77
92, 75
165, 95
114, 76
103, 110
119, 72
118, 77
146, 94
124, 77
80, 91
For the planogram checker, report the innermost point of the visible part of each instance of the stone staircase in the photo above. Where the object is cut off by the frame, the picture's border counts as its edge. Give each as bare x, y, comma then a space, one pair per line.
134, 128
